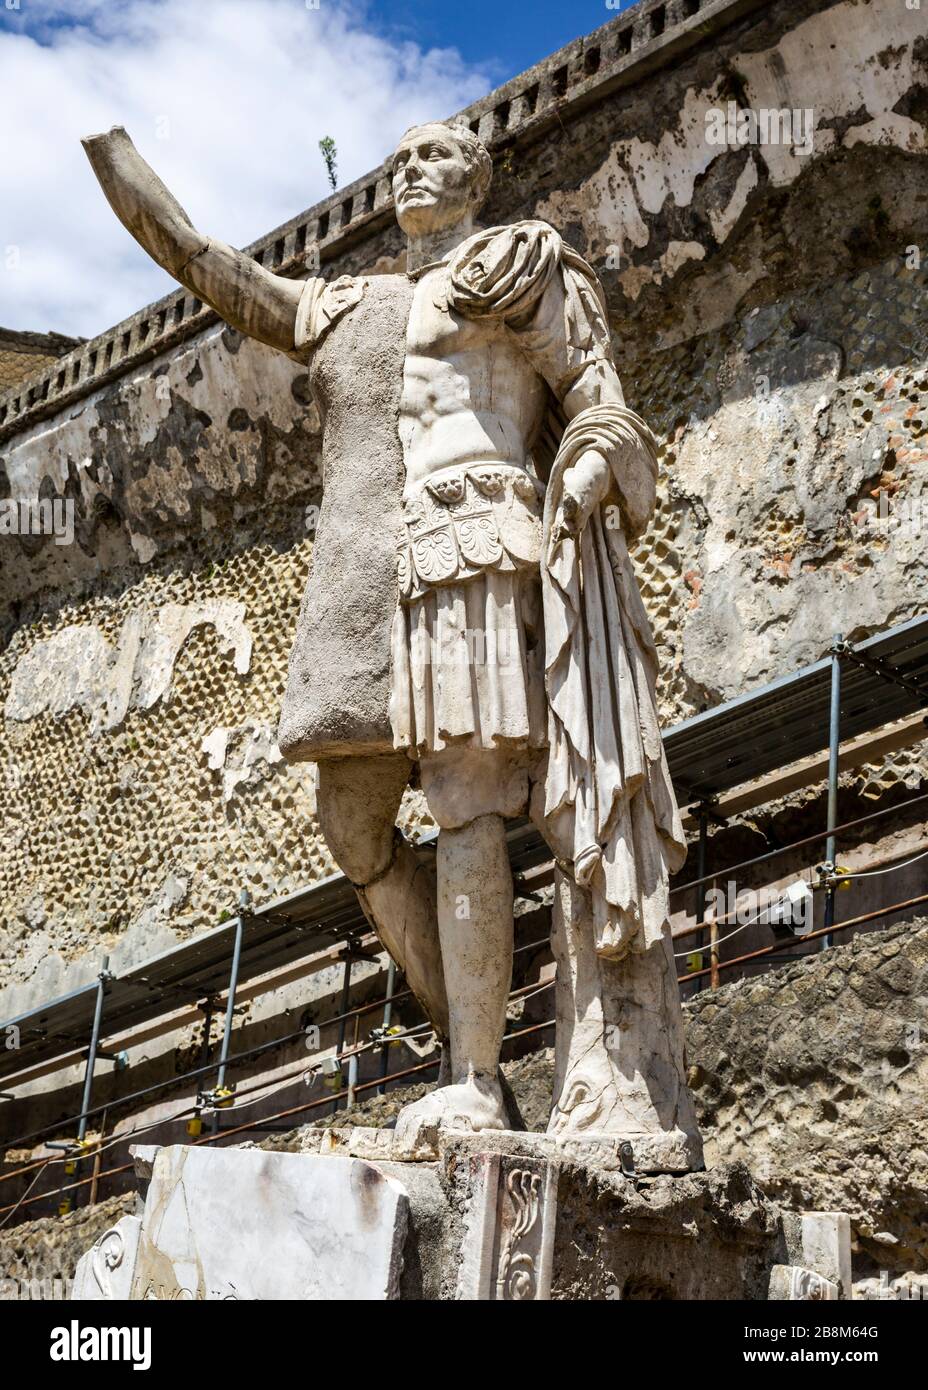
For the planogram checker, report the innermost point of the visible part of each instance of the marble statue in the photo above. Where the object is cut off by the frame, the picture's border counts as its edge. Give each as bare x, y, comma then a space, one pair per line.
473, 613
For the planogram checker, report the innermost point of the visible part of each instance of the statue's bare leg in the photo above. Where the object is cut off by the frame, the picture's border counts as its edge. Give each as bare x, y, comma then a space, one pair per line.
358, 799
470, 793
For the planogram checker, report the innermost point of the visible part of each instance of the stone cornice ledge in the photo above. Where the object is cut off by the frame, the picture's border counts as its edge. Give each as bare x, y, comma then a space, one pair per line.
620, 53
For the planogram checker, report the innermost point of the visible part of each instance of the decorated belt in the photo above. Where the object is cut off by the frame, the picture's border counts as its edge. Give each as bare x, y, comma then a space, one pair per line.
464, 520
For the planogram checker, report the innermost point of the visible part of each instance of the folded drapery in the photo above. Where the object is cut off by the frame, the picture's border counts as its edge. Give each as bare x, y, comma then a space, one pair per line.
608, 792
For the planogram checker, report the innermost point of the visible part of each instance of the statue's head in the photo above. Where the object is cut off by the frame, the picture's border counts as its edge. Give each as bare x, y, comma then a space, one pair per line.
440, 174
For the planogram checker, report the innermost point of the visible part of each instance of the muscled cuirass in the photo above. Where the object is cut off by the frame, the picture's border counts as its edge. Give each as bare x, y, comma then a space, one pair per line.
470, 409
469, 393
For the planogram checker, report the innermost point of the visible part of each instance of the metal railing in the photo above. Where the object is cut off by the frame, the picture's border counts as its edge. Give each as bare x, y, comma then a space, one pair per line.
772, 953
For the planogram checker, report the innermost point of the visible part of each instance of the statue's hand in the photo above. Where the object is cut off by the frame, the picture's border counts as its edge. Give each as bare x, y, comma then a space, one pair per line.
586, 484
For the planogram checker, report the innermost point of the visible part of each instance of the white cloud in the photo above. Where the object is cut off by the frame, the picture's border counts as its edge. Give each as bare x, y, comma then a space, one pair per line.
226, 99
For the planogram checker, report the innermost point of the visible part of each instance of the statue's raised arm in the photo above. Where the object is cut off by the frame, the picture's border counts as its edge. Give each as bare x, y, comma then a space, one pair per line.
242, 292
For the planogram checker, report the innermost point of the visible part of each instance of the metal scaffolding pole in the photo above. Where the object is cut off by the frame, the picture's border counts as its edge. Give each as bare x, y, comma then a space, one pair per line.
244, 902
834, 740
352, 1081
102, 979
87, 1096
343, 1010
387, 1020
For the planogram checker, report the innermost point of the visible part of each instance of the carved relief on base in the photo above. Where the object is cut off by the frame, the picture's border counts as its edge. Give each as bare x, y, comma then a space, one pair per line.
105, 1272
509, 1238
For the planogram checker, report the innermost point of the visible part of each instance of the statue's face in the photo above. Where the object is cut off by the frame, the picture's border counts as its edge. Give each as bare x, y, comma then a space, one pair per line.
433, 186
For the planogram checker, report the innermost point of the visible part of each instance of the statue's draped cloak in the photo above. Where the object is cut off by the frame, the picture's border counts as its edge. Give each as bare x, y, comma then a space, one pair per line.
338, 690
609, 802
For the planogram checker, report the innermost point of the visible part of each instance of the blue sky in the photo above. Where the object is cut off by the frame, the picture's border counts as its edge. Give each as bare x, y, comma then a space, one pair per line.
509, 35
502, 36
227, 100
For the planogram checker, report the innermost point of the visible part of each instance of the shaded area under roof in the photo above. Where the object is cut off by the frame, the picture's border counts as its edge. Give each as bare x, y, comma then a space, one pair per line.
883, 679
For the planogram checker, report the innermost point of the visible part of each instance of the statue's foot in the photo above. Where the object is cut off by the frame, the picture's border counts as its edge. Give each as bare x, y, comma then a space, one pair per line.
473, 1105
514, 1120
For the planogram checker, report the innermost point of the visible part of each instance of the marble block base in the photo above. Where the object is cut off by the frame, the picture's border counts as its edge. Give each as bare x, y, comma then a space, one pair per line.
496, 1216
223, 1224
107, 1270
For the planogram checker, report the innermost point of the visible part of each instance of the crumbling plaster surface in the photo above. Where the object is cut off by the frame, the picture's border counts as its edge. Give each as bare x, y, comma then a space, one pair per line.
784, 407
795, 470
78, 669
849, 67
183, 446
770, 323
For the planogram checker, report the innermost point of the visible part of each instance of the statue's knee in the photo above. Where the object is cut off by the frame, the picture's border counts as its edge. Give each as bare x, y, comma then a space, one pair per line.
463, 784
356, 803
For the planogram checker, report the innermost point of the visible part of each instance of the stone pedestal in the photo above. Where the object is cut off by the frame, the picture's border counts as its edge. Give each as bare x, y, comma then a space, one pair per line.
619, 1047
226, 1224
494, 1216
562, 1228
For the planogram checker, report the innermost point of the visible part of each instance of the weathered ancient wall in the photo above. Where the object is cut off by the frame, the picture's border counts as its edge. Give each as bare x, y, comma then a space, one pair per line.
816, 1076
24, 354
769, 320
38, 1259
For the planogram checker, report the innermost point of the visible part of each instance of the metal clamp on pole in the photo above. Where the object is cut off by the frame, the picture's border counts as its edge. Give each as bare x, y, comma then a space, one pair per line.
120, 1060
831, 877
